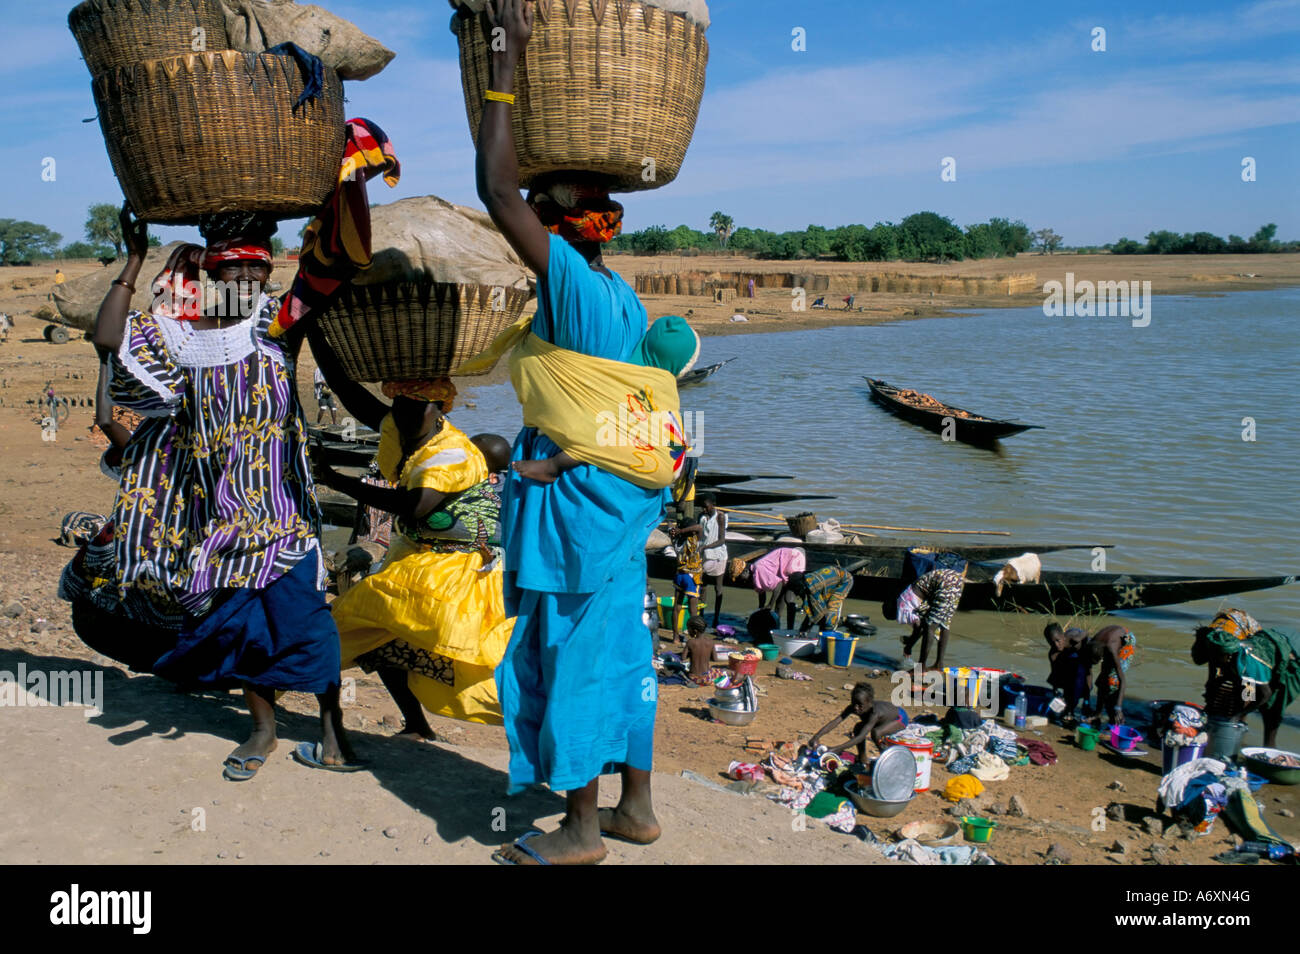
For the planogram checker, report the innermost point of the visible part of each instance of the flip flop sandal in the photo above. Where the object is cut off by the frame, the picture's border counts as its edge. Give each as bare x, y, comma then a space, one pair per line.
522, 844
237, 770
309, 754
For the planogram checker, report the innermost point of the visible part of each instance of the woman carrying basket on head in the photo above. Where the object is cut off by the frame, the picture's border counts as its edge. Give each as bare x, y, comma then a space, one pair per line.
216, 516
578, 691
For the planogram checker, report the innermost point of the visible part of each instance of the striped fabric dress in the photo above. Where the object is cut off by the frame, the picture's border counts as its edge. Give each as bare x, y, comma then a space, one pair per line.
216, 489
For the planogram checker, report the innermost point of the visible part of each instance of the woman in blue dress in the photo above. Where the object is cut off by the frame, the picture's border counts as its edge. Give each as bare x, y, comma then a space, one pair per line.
577, 688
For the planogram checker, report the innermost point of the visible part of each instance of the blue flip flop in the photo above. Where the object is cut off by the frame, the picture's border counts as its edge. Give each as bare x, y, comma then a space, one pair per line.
522, 844
237, 770
309, 754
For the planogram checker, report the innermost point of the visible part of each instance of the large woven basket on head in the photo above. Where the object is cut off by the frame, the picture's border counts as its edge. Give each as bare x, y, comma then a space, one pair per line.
416, 331
218, 132
442, 287
611, 87
113, 33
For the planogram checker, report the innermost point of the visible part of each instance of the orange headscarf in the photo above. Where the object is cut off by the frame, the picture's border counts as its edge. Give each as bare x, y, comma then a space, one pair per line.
438, 391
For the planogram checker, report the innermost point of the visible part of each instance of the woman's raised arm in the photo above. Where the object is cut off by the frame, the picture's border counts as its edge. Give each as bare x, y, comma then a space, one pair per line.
110, 323
496, 167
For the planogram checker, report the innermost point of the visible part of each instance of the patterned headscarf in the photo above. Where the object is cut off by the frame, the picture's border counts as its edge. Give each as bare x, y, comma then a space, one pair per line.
438, 391
578, 212
177, 292
1236, 622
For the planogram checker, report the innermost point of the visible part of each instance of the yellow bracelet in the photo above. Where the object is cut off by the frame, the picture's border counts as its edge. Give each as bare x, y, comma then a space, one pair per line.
494, 96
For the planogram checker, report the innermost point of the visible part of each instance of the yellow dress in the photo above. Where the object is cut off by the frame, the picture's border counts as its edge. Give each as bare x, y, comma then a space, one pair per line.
433, 613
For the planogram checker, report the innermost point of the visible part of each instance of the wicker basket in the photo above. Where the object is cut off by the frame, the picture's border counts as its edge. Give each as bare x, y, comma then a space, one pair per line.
603, 86
217, 132
416, 331
802, 524
113, 33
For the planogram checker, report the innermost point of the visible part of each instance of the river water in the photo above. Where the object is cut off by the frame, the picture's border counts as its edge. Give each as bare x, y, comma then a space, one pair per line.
1143, 448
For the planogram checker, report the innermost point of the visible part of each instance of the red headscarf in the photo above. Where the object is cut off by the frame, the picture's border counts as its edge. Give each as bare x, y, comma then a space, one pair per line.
176, 289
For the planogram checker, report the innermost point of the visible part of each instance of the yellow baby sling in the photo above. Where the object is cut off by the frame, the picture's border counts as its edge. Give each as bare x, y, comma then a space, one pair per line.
623, 418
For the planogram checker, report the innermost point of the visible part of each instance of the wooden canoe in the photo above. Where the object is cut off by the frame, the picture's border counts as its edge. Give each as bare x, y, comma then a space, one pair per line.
968, 427
696, 375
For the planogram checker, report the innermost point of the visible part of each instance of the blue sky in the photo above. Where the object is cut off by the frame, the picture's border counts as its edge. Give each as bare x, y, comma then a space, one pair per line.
1148, 134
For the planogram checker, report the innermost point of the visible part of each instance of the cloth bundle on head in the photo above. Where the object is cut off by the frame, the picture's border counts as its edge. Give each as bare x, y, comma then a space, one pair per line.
438, 391
1236, 622
336, 244
579, 212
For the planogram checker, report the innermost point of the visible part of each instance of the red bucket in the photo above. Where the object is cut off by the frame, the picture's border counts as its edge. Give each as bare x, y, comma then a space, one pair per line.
743, 665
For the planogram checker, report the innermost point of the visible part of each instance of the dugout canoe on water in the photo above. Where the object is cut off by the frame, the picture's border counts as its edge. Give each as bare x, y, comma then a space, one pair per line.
934, 415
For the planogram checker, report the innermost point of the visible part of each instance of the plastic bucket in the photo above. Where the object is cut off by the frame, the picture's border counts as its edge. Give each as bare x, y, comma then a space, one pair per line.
964, 684
1087, 737
1225, 739
769, 650
683, 613
923, 752
1174, 756
1037, 697
977, 829
743, 665
840, 649
1124, 738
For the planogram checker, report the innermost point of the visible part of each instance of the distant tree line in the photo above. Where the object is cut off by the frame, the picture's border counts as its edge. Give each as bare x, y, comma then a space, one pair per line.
1203, 243
925, 236
22, 242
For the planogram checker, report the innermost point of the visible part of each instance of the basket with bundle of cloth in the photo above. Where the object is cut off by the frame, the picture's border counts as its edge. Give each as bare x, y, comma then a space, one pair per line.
199, 122
442, 288
608, 88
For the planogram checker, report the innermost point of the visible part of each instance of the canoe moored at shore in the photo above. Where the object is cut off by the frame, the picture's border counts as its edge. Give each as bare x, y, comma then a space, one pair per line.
967, 427
1065, 593
696, 375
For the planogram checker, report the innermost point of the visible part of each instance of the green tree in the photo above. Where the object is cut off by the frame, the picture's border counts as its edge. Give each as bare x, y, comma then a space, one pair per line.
929, 236
22, 241
277, 247
1047, 240
84, 250
653, 240
1163, 242
1262, 241
102, 226
1126, 246
816, 241
723, 226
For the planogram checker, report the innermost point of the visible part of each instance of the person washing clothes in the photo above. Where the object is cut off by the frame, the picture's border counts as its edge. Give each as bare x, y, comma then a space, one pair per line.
876, 720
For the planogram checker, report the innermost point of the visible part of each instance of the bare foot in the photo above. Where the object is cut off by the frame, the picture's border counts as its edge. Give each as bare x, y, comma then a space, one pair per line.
542, 471
618, 823
564, 846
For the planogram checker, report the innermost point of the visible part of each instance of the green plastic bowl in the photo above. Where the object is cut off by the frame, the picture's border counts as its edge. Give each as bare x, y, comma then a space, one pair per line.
769, 650
977, 829
1088, 738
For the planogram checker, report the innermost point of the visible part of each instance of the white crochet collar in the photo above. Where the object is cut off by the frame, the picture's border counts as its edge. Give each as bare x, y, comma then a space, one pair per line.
212, 347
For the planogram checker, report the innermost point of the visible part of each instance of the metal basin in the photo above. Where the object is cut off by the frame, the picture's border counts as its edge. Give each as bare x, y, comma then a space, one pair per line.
875, 806
730, 716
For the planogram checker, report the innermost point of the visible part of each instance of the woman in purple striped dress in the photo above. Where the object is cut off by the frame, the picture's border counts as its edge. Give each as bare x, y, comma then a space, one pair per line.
216, 515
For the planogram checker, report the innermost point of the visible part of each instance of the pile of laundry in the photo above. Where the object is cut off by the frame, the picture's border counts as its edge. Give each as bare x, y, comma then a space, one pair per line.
1196, 792
1184, 724
807, 780
988, 751
914, 853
